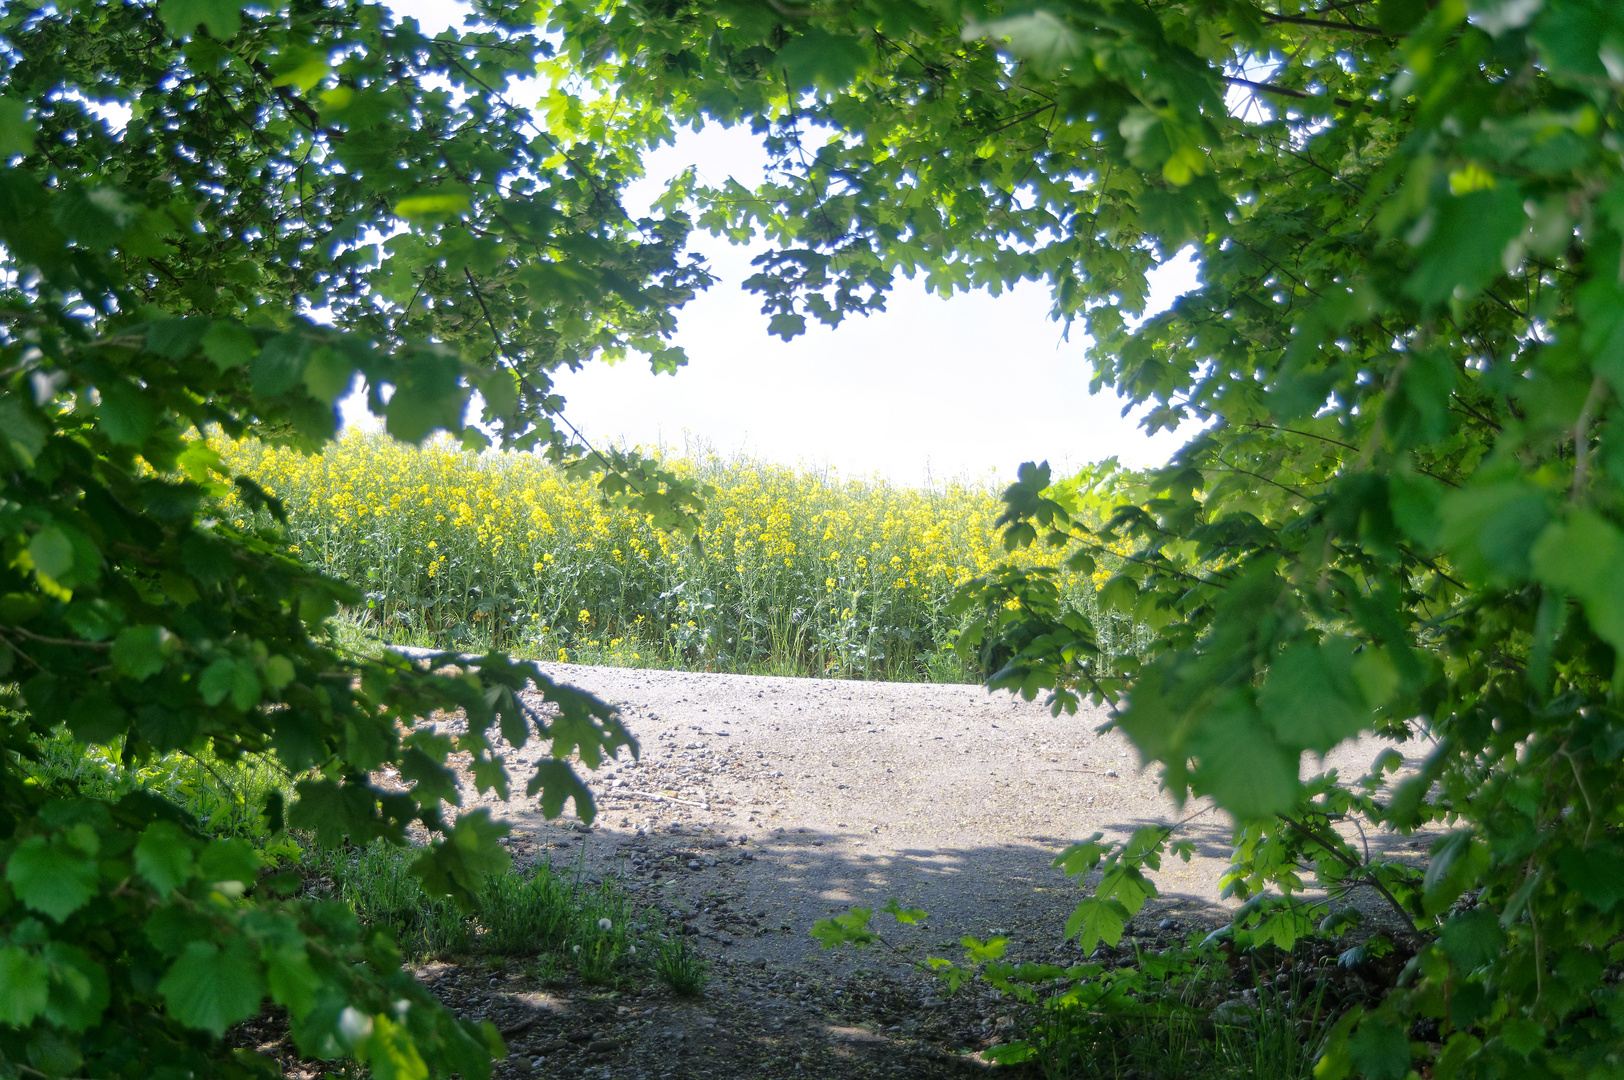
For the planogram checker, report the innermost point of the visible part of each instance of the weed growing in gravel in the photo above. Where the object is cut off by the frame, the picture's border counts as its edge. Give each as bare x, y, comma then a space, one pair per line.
526, 916
1282, 1038
589, 927
678, 966
1230, 1005
377, 883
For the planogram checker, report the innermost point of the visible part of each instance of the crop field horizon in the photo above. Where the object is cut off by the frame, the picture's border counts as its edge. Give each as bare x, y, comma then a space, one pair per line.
796, 572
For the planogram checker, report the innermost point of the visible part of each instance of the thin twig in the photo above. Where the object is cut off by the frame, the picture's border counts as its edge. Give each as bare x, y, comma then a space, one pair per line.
1581, 435
1327, 24
1286, 91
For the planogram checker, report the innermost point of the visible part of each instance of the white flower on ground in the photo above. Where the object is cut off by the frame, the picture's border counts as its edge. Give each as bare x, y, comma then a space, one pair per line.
577, 949
631, 950
605, 925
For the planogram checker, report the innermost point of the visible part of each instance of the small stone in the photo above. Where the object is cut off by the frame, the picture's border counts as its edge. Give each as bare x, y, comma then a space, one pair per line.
1110, 772
694, 864
1167, 924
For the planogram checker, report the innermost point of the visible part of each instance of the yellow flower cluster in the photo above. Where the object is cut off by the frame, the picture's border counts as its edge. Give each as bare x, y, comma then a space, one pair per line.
795, 569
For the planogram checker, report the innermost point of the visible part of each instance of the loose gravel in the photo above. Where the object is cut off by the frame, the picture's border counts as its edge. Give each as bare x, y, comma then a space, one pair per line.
758, 805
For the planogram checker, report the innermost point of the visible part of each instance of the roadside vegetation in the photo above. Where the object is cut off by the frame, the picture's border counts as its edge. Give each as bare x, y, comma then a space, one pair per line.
553, 916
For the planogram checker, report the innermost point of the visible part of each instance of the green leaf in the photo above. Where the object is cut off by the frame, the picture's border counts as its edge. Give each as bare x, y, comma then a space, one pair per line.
217, 680
1127, 886
51, 878
328, 375
163, 856
1241, 765
23, 986
1082, 857
1523, 1035
1039, 37
458, 866
847, 928
558, 784
905, 916
1121, 594
279, 672
391, 1052
16, 128
96, 717
419, 410
300, 68
1595, 874
818, 58
1464, 247
1311, 698
229, 345
175, 339
293, 983
1473, 938
229, 860
1380, 1051
128, 416
245, 688
80, 990
1584, 556
1399, 17
210, 988
786, 325
22, 430
223, 18
139, 652
1095, 920
432, 207
1490, 529
280, 365
1458, 862
52, 552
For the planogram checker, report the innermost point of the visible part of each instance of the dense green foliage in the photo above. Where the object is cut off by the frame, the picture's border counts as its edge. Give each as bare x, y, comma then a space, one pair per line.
158, 277
1403, 514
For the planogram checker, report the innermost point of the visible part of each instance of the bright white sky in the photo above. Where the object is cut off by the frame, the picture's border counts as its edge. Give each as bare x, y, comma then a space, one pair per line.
963, 388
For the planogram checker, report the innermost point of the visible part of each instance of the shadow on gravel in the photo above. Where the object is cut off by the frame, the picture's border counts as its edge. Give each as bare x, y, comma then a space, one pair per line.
778, 1005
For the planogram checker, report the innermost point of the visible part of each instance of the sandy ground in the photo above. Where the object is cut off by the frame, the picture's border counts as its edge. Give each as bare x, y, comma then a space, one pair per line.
775, 802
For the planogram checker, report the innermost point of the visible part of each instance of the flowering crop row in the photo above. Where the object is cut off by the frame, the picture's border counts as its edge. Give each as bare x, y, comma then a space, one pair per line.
796, 572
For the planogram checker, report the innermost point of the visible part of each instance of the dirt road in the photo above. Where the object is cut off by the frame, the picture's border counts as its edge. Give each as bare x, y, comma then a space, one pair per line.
760, 805
774, 802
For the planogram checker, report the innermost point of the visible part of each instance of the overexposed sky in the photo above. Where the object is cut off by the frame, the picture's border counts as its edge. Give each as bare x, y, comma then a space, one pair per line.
964, 387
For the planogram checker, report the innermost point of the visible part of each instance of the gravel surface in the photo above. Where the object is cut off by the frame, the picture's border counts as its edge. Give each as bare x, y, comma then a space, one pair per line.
758, 805
800, 797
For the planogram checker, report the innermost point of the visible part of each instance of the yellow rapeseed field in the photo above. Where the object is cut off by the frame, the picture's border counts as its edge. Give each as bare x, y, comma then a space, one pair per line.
798, 572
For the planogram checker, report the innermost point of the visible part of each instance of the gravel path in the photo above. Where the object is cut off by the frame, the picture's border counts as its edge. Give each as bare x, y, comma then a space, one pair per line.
776, 801
760, 805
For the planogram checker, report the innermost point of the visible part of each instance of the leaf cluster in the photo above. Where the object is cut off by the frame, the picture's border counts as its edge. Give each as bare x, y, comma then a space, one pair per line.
1403, 512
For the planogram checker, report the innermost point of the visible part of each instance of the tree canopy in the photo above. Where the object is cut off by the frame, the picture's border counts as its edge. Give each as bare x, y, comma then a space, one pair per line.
1402, 514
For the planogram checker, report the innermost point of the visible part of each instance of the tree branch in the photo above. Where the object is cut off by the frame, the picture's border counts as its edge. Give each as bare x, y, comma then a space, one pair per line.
1286, 91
